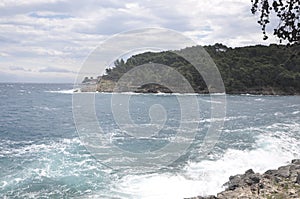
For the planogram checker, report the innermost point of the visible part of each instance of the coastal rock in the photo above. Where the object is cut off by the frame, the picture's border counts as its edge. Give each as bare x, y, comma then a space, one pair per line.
298, 179
206, 197
106, 85
283, 172
296, 161
247, 179
153, 88
283, 182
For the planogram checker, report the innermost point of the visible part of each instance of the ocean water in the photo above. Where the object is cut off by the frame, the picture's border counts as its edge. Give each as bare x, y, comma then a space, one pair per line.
42, 155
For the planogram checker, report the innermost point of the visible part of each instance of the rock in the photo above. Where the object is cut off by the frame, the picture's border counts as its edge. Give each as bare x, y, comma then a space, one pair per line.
261, 186
250, 171
205, 197
298, 179
210, 197
296, 161
271, 172
234, 182
255, 179
283, 172
292, 191
232, 187
277, 179
253, 188
281, 183
106, 85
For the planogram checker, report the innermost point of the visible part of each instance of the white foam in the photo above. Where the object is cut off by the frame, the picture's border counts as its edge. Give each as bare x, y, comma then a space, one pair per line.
259, 100
30, 147
207, 177
70, 91
158, 186
160, 94
45, 108
3, 184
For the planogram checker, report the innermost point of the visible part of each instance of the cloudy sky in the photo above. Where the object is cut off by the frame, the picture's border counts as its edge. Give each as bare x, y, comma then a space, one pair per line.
49, 40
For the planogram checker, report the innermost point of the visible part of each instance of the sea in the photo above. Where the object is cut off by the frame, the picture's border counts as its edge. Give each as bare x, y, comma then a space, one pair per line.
42, 155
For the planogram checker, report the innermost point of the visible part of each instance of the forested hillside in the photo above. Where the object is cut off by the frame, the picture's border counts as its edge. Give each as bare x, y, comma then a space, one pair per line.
273, 69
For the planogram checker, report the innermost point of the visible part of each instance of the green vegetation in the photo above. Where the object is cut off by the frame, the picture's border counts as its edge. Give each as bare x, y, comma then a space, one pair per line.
273, 69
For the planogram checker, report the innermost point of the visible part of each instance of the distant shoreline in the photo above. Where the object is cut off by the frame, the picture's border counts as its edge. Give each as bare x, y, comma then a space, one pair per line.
204, 93
256, 91
93, 88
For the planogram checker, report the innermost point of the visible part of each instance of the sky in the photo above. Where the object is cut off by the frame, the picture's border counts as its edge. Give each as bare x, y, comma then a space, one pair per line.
48, 41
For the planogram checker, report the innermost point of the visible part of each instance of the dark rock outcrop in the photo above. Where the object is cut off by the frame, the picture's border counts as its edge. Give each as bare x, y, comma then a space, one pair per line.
283, 183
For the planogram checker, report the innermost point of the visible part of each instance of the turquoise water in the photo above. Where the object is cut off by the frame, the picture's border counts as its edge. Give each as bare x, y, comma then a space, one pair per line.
42, 156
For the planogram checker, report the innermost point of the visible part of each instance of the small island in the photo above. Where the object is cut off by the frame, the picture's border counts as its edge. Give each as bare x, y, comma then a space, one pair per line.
267, 70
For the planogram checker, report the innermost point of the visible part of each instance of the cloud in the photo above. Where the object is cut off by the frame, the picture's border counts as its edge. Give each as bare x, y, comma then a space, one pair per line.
55, 70
18, 68
60, 34
3, 54
5, 40
49, 15
34, 78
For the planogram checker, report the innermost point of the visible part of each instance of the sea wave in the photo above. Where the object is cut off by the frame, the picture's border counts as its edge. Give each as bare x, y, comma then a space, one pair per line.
208, 176
70, 91
49, 169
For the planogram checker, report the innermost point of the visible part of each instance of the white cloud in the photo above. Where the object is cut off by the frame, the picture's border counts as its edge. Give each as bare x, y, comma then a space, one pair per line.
55, 70
18, 68
61, 33
14, 3
3, 54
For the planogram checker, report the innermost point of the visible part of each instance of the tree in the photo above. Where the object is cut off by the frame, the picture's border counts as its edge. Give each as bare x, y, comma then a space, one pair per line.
288, 13
252, 69
85, 80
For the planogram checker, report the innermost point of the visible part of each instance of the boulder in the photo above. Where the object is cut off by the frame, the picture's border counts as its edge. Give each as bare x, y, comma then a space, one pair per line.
283, 172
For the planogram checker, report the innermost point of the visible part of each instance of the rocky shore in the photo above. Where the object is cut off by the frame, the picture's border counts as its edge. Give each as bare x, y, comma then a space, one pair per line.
282, 183
108, 86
